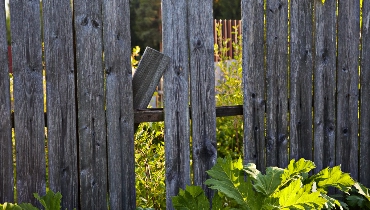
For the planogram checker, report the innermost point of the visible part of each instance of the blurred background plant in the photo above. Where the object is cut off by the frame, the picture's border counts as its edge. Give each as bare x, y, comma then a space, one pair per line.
229, 130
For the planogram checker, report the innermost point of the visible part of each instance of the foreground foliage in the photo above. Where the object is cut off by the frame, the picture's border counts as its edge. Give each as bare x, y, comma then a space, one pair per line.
50, 201
245, 187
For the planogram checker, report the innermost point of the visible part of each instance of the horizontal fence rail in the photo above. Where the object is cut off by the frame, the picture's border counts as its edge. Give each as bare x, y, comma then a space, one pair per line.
306, 85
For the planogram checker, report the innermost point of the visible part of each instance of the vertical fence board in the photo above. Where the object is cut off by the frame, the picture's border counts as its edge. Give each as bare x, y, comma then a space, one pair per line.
301, 64
120, 130
324, 84
253, 82
277, 83
61, 101
176, 97
6, 158
202, 77
347, 86
365, 97
91, 103
28, 99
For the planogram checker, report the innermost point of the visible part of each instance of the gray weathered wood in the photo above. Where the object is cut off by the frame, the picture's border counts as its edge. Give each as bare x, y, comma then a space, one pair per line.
91, 104
277, 83
202, 91
253, 82
147, 75
28, 99
347, 86
176, 97
324, 84
365, 97
61, 101
6, 158
301, 64
120, 118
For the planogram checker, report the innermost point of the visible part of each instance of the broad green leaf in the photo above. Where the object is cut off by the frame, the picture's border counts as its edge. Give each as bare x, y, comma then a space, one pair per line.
192, 198
251, 170
9, 206
362, 190
333, 177
331, 203
267, 184
50, 201
357, 201
295, 197
299, 168
228, 178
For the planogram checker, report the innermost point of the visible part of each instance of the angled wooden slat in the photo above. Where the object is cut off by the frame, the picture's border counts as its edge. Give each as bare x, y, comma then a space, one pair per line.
88, 24
28, 100
347, 87
202, 91
253, 83
301, 67
119, 109
324, 85
6, 157
365, 97
176, 97
61, 101
277, 83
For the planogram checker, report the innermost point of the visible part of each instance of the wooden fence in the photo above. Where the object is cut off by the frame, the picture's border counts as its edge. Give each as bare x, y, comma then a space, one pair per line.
306, 94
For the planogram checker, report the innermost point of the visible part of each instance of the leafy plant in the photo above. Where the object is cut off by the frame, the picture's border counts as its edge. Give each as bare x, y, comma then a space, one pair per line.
150, 168
229, 131
50, 201
289, 188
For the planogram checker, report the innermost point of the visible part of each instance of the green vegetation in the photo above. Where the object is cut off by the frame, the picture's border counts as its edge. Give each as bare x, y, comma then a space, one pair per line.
229, 131
244, 187
50, 201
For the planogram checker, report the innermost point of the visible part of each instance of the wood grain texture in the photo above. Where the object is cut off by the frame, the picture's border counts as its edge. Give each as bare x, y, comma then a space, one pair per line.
277, 83
91, 102
365, 98
61, 101
202, 91
6, 158
324, 85
254, 82
176, 97
347, 87
28, 99
120, 115
301, 69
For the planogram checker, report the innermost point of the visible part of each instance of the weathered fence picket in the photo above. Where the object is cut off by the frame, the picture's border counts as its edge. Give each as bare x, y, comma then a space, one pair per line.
28, 99
176, 97
61, 101
301, 67
119, 104
88, 25
324, 85
277, 83
6, 157
347, 88
253, 83
364, 169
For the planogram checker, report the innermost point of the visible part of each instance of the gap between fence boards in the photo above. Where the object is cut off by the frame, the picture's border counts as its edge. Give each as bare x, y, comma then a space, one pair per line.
157, 114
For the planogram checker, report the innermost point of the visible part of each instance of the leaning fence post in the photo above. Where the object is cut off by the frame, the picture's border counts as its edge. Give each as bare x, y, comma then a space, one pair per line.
147, 76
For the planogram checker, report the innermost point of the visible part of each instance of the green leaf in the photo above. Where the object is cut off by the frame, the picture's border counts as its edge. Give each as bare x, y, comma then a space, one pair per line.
362, 190
50, 201
295, 197
228, 178
192, 198
357, 201
9, 206
267, 184
299, 168
333, 177
331, 203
